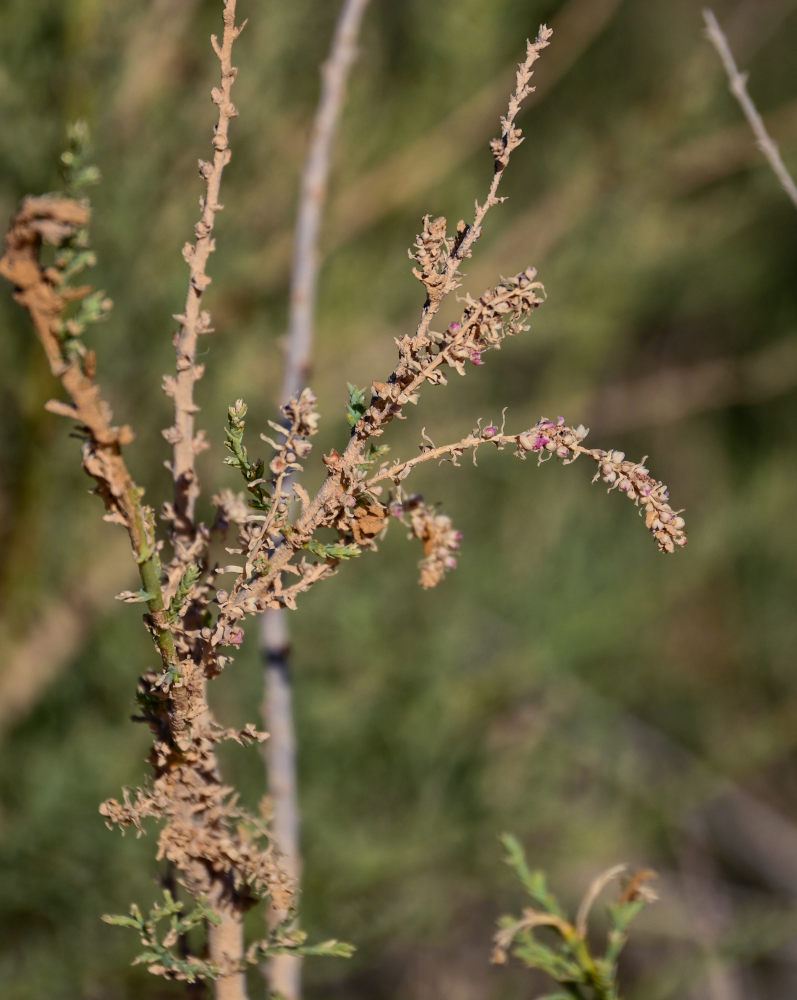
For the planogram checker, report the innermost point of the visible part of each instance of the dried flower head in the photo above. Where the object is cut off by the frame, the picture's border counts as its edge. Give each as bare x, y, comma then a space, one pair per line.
435, 531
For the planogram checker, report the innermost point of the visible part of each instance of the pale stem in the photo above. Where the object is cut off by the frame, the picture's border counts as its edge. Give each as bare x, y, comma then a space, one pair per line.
279, 757
225, 949
315, 175
284, 971
737, 83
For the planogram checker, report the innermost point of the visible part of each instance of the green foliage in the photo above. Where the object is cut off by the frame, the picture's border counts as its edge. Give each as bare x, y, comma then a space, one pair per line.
187, 580
534, 881
373, 451
83, 307
568, 958
356, 405
332, 550
252, 472
159, 945
78, 171
285, 939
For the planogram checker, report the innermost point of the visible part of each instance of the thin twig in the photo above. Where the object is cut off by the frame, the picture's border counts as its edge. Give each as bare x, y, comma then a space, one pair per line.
194, 321
284, 971
547, 440
737, 83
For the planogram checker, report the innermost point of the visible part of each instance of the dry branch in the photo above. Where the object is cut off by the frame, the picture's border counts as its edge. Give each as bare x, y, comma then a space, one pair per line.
39, 290
186, 443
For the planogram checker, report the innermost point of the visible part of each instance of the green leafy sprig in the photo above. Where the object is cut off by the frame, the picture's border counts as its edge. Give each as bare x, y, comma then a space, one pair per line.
569, 959
83, 307
158, 952
331, 550
356, 405
252, 471
187, 581
286, 939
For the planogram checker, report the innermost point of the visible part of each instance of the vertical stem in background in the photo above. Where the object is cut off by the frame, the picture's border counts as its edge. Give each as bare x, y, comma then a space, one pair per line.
284, 972
737, 83
226, 947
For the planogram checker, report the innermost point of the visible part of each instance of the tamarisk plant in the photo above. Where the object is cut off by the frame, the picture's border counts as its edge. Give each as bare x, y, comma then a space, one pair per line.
570, 960
285, 539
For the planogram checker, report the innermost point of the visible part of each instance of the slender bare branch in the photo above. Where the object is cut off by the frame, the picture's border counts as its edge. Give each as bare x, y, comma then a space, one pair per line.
737, 83
284, 971
334, 76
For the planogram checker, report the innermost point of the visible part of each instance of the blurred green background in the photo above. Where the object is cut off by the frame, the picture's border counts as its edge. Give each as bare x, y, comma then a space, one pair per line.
567, 682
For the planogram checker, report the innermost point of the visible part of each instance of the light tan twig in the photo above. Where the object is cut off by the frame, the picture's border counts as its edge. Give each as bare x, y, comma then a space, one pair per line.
194, 321
737, 83
556, 440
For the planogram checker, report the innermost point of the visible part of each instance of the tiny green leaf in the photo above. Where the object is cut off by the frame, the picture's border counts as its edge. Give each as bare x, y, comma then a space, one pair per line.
120, 920
332, 550
356, 405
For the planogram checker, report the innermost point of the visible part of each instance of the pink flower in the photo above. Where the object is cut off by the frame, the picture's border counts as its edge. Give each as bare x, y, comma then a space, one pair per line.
490, 431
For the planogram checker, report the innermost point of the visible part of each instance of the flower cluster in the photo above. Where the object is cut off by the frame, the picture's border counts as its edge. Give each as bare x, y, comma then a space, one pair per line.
431, 252
496, 314
499, 312
551, 439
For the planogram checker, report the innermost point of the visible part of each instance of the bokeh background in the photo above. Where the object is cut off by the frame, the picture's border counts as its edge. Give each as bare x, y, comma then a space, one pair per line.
568, 683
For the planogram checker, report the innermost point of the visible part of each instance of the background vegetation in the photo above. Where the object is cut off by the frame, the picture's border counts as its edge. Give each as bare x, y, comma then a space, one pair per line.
567, 682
